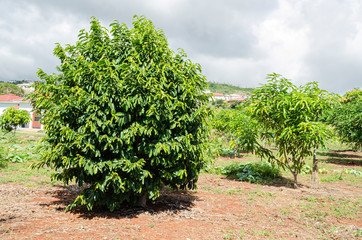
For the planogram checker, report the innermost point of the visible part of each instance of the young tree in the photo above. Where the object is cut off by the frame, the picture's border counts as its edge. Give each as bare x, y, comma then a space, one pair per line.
346, 117
240, 130
125, 116
290, 115
11, 118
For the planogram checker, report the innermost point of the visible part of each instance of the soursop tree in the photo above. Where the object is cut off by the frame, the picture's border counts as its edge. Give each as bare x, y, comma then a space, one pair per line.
125, 115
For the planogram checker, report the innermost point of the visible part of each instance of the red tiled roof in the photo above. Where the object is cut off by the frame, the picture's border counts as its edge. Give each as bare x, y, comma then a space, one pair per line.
10, 97
237, 99
218, 94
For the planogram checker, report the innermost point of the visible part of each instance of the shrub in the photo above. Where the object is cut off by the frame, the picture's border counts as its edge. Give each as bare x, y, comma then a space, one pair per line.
252, 172
133, 119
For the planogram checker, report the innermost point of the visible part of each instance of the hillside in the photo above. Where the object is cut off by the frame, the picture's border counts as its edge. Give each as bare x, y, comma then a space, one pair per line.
228, 89
6, 88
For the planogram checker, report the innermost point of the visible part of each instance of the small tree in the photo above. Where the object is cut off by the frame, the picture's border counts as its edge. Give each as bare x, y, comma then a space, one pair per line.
240, 130
346, 117
11, 118
125, 116
288, 116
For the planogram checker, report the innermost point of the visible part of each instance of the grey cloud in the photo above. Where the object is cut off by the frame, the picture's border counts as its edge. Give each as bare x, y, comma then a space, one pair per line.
331, 26
220, 35
218, 28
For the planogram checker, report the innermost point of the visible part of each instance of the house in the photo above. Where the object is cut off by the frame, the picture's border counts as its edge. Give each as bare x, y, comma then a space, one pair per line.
11, 100
238, 99
216, 96
28, 88
234, 96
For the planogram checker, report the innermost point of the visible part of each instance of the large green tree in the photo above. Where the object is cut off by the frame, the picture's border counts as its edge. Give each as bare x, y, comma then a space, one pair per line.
288, 116
346, 117
125, 116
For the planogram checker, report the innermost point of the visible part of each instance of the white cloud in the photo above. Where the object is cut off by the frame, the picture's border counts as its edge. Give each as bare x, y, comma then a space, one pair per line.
283, 41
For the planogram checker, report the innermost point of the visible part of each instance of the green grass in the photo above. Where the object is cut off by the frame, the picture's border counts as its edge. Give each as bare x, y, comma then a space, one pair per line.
318, 209
22, 173
16, 155
230, 191
231, 234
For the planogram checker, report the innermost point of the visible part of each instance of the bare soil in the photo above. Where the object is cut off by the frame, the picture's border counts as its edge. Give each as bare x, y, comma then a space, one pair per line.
220, 208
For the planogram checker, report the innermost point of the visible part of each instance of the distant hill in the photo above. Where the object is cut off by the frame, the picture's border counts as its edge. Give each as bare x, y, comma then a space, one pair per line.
228, 89
6, 88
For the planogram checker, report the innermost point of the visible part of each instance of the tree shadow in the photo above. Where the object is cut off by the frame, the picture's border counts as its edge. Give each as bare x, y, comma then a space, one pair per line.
274, 182
342, 157
170, 201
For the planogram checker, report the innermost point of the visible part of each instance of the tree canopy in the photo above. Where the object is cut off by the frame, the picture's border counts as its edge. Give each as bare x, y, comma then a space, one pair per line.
346, 117
11, 118
125, 116
288, 115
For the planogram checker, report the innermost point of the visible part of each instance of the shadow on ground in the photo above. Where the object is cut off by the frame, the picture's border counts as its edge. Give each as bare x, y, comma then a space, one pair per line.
342, 158
275, 182
169, 201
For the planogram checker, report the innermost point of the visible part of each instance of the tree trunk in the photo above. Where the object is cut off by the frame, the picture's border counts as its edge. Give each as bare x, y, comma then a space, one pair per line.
142, 201
295, 184
315, 177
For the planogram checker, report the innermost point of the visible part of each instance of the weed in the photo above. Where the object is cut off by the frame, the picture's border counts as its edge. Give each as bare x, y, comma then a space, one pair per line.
308, 170
358, 233
265, 233
232, 234
345, 208
259, 194
331, 198
332, 178
230, 191
310, 199
353, 172
234, 191
285, 211
252, 172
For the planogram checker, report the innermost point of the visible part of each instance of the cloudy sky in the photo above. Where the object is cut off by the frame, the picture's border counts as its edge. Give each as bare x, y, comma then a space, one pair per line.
237, 42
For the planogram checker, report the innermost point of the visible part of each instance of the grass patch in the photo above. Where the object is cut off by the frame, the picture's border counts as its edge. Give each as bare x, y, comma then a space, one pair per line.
17, 153
260, 194
320, 208
22, 173
231, 234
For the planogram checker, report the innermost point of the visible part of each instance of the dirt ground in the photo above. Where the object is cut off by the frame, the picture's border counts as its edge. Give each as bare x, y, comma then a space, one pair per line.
220, 209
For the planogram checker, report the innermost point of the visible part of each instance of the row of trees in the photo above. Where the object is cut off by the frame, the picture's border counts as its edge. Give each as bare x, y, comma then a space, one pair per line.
297, 120
285, 115
128, 115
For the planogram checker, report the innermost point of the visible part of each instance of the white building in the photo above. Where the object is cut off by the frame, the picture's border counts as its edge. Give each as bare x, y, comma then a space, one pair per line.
28, 88
11, 100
